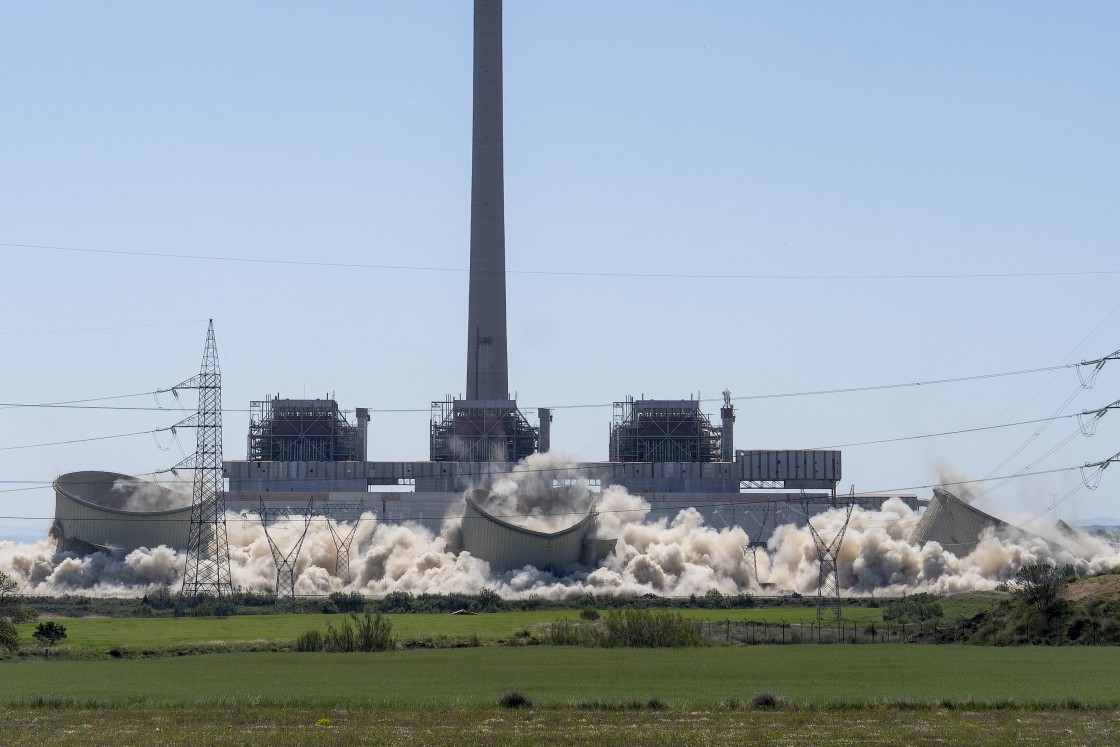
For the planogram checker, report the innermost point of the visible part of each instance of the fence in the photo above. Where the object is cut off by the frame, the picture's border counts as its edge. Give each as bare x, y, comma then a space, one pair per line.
746, 632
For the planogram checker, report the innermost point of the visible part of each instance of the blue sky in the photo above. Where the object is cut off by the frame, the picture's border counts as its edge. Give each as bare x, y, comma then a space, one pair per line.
674, 157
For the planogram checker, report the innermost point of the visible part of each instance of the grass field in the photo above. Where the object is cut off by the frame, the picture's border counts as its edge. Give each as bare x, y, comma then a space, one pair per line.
103, 633
880, 694
826, 675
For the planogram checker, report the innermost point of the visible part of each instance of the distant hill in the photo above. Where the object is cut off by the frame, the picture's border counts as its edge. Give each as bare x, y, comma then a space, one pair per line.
1096, 521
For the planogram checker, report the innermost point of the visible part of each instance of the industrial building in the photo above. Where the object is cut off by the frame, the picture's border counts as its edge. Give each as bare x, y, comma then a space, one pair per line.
305, 430
668, 451
304, 452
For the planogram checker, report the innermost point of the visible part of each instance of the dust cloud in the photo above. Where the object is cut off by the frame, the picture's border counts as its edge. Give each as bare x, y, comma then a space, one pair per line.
669, 555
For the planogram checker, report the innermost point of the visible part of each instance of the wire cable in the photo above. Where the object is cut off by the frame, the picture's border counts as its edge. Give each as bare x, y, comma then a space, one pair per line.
567, 273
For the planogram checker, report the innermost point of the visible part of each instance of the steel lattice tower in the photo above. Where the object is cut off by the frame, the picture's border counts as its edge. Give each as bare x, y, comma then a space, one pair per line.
828, 553
207, 573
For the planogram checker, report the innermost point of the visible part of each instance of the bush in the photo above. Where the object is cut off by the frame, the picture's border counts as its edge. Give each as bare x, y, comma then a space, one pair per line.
589, 615
374, 632
914, 608
650, 629
765, 700
564, 632
515, 699
9, 636
369, 632
339, 640
489, 601
1037, 585
312, 640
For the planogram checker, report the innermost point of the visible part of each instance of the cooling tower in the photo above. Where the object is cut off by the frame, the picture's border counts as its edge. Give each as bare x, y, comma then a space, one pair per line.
508, 547
107, 511
955, 525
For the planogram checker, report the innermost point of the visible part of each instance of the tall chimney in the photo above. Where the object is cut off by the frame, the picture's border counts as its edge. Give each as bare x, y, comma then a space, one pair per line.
727, 414
487, 367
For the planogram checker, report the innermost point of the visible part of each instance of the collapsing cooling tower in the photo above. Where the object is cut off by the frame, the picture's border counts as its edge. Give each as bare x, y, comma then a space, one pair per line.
508, 547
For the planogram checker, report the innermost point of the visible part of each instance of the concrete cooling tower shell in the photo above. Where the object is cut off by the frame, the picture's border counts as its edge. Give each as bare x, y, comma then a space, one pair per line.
955, 525
508, 547
108, 511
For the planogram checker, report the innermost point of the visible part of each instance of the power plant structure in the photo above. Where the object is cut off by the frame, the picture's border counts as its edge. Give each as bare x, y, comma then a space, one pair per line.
668, 451
312, 453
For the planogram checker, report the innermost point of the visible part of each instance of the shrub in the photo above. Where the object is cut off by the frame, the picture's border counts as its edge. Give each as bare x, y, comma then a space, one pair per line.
339, 640
374, 632
1037, 585
489, 601
515, 699
563, 632
589, 615
312, 640
765, 700
914, 608
650, 629
9, 636
49, 633
397, 601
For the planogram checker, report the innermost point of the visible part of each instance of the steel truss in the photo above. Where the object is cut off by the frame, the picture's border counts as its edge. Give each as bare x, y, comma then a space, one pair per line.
286, 561
300, 430
206, 573
828, 553
477, 431
343, 540
663, 431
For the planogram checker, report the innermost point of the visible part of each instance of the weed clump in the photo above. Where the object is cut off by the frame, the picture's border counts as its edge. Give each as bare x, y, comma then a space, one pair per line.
515, 699
765, 700
312, 640
368, 633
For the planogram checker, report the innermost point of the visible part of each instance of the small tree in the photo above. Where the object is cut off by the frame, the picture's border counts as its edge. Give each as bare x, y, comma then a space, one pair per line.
1037, 585
9, 636
12, 611
49, 633
13, 607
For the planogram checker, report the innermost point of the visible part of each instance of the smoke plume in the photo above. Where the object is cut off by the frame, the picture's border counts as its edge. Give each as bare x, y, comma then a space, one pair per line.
670, 555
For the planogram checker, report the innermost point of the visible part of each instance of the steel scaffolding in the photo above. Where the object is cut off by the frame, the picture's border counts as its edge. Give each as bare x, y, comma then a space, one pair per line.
651, 430
301, 430
480, 431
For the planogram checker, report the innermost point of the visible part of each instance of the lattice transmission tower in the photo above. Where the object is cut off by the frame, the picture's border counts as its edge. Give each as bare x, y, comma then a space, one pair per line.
206, 574
286, 559
343, 538
828, 580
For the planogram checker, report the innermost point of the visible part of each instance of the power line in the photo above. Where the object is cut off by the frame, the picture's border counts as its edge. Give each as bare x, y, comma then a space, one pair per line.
77, 401
946, 433
99, 329
82, 440
567, 273
77, 404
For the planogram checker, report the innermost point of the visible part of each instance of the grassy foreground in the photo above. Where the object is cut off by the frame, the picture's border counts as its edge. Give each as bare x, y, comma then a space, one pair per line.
285, 727
818, 676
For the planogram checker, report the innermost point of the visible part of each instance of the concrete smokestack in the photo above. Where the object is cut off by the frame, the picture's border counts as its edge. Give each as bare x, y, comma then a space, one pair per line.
727, 414
487, 367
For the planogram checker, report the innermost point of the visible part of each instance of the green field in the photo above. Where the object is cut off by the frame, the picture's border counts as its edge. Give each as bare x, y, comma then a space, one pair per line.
825, 675
883, 694
104, 633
